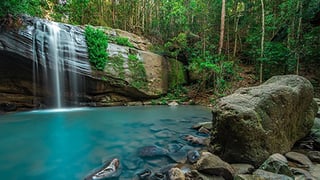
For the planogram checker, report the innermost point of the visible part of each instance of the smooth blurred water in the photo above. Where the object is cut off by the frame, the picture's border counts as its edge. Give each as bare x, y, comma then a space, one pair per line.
70, 143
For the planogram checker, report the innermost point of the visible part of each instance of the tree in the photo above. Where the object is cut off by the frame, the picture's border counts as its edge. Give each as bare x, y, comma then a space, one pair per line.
223, 15
262, 40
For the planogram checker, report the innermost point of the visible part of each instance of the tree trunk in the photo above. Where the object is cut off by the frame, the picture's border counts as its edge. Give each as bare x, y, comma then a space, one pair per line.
298, 36
236, 22
223, 14
262, 41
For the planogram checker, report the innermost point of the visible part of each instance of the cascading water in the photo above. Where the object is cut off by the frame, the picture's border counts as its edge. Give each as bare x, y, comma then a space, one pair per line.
56, 65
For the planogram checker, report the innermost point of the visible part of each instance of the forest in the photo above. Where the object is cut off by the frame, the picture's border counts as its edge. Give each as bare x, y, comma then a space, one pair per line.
212, 38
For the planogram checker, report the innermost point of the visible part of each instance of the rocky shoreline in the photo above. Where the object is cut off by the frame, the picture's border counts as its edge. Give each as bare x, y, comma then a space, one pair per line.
271, 131
301, 162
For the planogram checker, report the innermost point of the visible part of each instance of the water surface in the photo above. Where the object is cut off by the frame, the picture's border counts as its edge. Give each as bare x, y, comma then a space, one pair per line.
70, 143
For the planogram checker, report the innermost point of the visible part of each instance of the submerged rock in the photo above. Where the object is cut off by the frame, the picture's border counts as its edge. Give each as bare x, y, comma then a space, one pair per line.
110, 170
253, 123
152, 151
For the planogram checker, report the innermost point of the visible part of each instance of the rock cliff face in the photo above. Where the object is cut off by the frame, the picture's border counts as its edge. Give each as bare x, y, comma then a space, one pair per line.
255, 122
41, 61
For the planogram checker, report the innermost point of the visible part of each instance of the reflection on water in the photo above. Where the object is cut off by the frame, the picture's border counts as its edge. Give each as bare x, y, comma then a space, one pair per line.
69, 143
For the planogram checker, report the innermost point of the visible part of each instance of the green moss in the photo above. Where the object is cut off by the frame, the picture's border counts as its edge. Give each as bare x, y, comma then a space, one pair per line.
117, 66
176, 74
123, 41
138, 72
97, 43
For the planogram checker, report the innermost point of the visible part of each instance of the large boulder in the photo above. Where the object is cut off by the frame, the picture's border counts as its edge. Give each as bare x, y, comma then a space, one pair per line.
32, 50
253, 123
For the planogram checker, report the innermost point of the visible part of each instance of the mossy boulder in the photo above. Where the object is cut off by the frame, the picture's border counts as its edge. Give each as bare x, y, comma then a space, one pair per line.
253, 123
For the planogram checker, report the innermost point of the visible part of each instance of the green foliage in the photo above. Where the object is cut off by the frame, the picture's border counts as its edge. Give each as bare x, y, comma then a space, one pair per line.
177, 94
15, 7
213, 71
176, 74
124, 41
97, 45
176, 45
133, 58
188, 31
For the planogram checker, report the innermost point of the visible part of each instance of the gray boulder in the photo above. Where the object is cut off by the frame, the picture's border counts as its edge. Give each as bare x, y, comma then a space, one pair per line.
253, 123
212, 165
278, 164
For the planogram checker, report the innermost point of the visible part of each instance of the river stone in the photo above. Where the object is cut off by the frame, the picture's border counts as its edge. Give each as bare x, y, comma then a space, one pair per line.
248, 177
213, 165
194, 174
315, 171
204, 130
270, 175
301, 174
278, 164
253, 123
207, 125
152, 151
176, 174
243, 168
315, 134
314, 156
180, 155
299, 158
193, 156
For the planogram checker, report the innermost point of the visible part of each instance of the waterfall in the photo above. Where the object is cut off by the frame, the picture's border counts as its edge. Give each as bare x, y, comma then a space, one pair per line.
57, 67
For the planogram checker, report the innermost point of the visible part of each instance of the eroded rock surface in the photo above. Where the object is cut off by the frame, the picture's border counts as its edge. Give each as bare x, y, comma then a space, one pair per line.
255, 122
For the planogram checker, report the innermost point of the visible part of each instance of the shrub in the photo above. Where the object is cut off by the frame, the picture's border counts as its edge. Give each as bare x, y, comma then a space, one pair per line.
97, 43
124, 41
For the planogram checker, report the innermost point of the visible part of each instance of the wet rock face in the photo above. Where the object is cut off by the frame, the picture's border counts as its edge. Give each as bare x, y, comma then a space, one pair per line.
26, 59
255, 122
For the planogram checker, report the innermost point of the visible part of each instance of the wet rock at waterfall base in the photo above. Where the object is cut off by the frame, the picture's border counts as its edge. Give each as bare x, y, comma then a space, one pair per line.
7, 107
